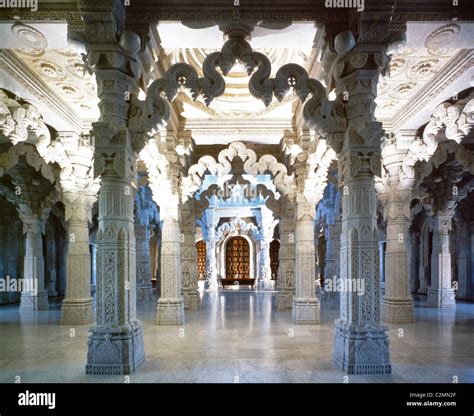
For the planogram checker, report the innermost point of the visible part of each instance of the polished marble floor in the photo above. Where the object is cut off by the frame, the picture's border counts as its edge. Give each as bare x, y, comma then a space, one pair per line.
238, 336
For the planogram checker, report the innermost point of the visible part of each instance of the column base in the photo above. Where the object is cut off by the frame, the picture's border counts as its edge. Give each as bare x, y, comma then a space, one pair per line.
144, 293
170, 312
211, 285
305, 311
441, 298
191, 299
115, 351
265, 284
397, 311
77, 312
361, 351
284, 299
34, 301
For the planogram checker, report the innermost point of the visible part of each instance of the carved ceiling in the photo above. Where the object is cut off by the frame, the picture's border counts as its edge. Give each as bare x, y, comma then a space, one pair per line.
60, 70
434, 52
237, 114
64, 72
421, 75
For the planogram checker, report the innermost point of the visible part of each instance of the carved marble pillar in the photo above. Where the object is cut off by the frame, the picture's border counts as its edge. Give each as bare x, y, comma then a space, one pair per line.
463, 261
424, 262
189, 257
414, 261
333, 241
116, 342
470, 285
170, 309
397, 304
51, 253
265, 237
361, 344
286, 257
305, 304
144, 288
77, 308
211, 262
440, 293
145, 212
264, 270
158, 265
34, 295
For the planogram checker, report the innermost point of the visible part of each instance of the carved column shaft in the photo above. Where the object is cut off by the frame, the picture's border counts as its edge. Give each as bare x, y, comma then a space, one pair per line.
211, 261
264, 275
144, 287
117, 330
305, 303
440, 293
286, 266
463, 260
397, 304
470, 285
34, 295
189, 270
170, 309
333, 241
78, 307
361, 344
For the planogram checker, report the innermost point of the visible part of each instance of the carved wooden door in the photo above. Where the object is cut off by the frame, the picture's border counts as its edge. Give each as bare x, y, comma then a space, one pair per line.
201, 259
237, 255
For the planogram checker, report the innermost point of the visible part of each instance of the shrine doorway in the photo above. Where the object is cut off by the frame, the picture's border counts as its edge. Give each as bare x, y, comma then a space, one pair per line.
237, 262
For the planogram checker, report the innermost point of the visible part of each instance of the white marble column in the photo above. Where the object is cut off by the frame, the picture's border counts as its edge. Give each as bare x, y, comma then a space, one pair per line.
463, 260
189, 257
144, 287
77, 308
170, 309
424, 262
116, 344
34, 295
440, 293
361, 343
397, 303
333, 241
286, 259
211, 262
264, 270
470, 284
305, 304
414, 261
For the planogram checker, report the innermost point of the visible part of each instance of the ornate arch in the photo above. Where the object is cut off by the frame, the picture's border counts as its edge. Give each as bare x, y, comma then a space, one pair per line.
22, 124
223, 166
463, 156
457, 120
153, 112
33, 158
237, 227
